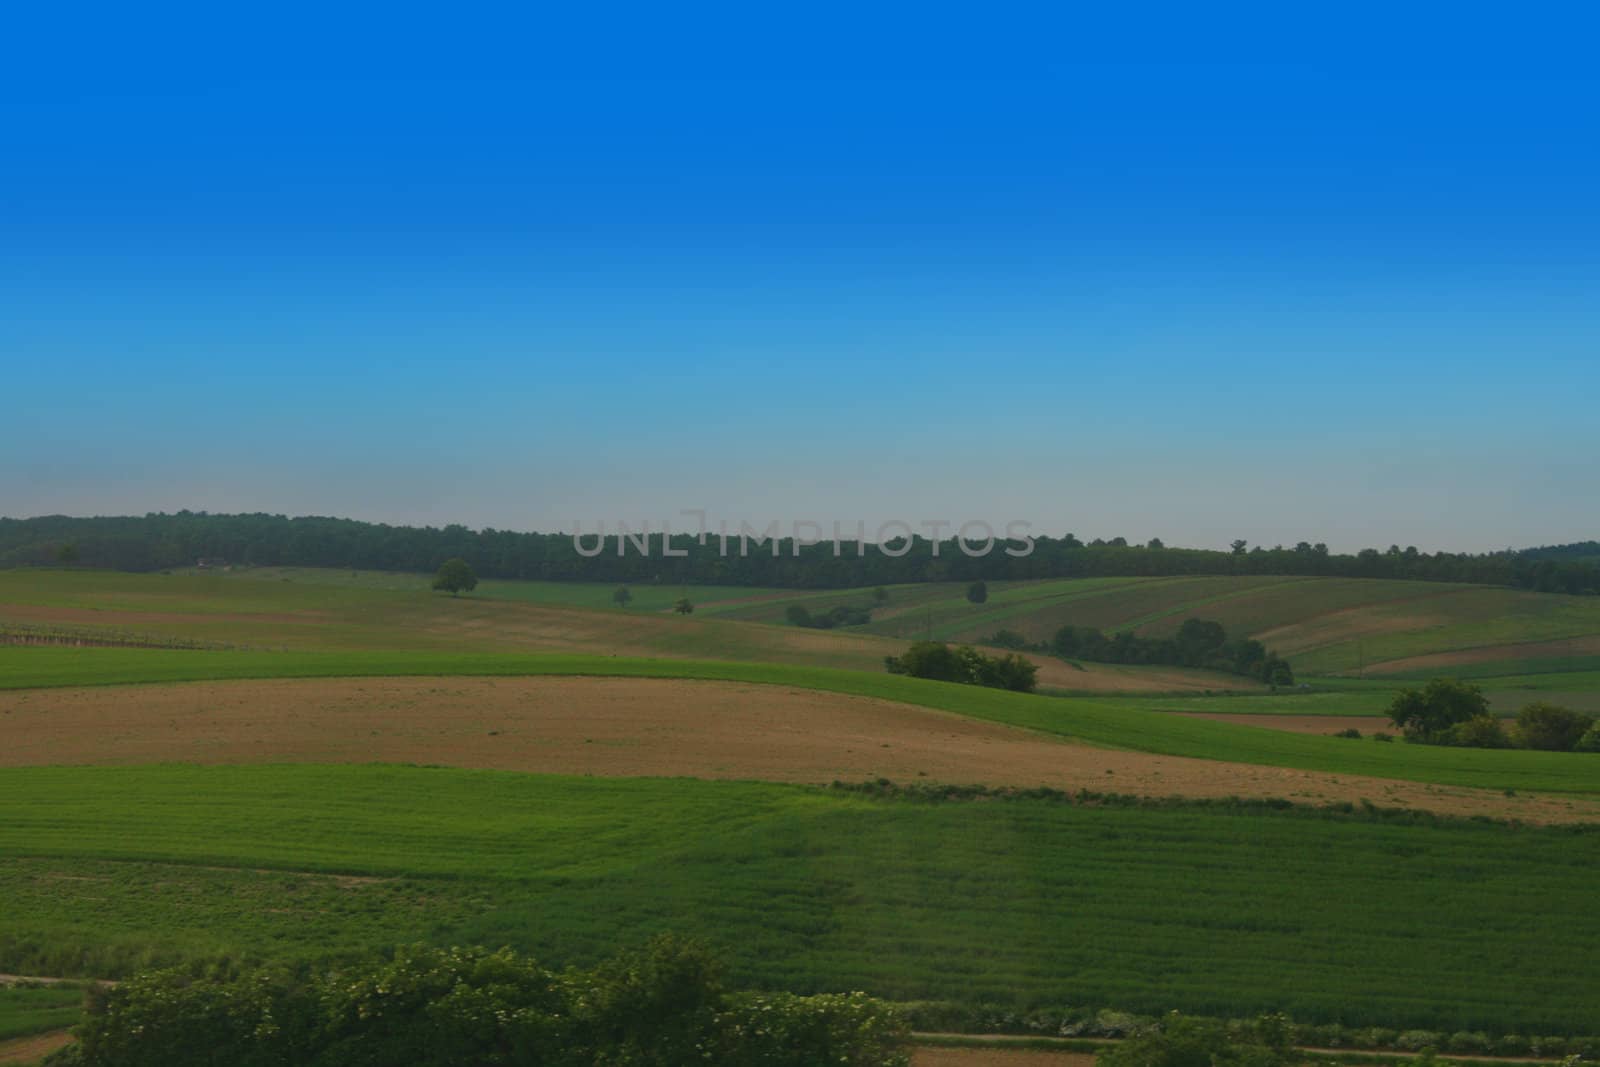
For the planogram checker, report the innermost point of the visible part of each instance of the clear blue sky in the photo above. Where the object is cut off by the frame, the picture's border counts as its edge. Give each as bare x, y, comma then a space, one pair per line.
1331, 276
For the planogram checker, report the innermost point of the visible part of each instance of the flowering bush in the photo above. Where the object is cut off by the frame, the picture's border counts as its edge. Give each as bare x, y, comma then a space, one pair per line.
783, 1030
662, 1006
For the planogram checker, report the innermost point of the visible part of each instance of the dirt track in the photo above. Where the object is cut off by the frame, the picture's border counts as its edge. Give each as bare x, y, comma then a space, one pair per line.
642, 726
1301, 724
999, 1057
37, 1046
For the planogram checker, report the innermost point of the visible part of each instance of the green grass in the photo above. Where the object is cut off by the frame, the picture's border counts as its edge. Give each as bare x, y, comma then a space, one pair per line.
1454, 925
1095, 721
34, 1009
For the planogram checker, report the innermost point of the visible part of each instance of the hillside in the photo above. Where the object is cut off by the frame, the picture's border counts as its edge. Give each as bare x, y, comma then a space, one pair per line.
1325, 626
330, 610
1351, 627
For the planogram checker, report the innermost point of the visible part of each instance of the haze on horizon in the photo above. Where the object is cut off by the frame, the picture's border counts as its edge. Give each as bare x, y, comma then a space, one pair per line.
1200, 286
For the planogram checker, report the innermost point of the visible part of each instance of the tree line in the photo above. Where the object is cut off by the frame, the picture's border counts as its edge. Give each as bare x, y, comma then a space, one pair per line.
160, 541
1199, 643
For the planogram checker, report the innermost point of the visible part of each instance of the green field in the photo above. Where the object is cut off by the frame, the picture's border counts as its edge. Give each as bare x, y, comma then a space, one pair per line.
1018, 902
33, 1009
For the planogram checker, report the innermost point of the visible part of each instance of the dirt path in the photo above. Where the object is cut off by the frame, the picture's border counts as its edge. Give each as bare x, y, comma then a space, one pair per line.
1299, 724
1585, 645
33, 1048
999, 1056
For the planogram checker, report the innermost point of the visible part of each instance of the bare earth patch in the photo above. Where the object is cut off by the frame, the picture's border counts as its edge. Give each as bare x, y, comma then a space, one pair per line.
646, 727
999, 1057
1301, 724
33, 1048
1567, 646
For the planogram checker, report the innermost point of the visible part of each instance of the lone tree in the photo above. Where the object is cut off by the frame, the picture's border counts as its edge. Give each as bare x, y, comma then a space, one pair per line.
622, 597
454, 576
880, 595
978, 592
683, 607
1426, 714
67, 554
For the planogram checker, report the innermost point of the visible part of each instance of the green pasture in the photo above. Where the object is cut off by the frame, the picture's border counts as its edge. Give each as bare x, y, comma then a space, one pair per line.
1229, 911
33, 1008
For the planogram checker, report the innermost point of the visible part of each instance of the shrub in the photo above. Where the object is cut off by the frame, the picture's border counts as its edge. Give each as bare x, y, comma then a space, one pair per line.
838, 615
1417, 1040
784, 1030
1548, 1046
1008, 639
1474, 1042
1590, 741
1552, 728
1512, 1045
1480, 731
1351, 733
940, 662
1185, 1042
1380, 735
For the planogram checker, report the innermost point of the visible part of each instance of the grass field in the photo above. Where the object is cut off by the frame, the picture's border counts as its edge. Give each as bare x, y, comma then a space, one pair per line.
1020, 902
33, 1009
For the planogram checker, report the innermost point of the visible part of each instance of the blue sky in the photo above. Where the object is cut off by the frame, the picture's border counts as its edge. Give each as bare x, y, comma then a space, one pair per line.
1226, 274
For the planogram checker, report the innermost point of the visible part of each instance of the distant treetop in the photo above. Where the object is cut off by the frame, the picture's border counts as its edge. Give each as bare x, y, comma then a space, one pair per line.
158, 541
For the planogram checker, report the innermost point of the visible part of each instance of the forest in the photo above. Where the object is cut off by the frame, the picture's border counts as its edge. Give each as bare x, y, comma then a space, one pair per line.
161, 541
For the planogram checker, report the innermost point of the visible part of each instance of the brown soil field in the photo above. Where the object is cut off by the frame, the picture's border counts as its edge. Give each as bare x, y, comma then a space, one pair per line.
1574, 646
1302, 724
116, 617
35, 1047
998, 1057
647, 727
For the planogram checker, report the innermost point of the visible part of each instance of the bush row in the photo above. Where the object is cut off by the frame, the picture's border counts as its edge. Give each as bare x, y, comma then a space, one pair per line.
947, 1017
1448, 712
1198, 643
660, 1007
1364, 810
940, 662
